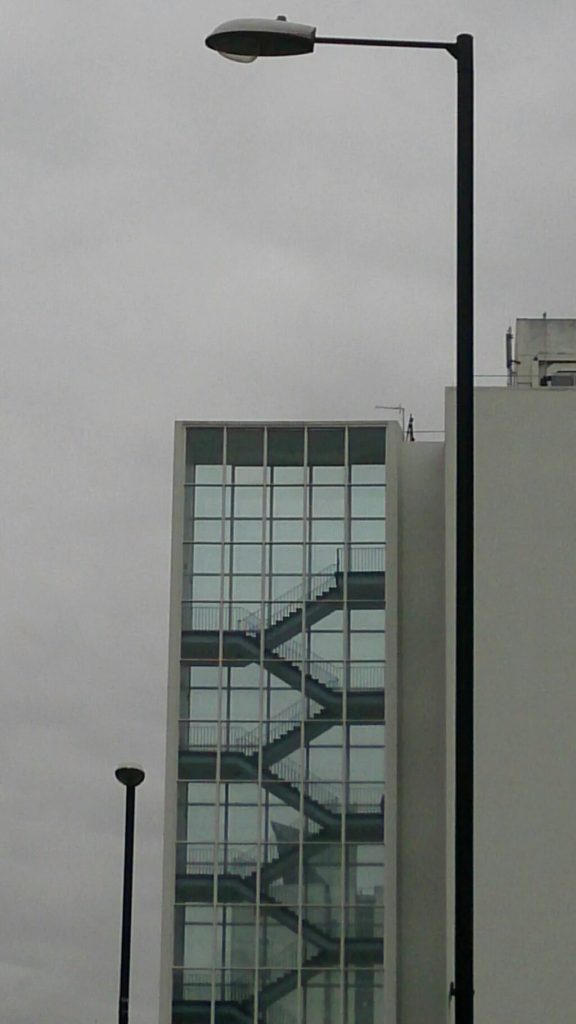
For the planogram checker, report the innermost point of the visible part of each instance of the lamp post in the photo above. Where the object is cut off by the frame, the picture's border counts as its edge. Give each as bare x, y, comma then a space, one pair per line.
130, 775
245, 40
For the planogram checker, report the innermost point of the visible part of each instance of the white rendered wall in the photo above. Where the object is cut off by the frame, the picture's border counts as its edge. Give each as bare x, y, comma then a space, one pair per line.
525, 705
170, 805
415, 603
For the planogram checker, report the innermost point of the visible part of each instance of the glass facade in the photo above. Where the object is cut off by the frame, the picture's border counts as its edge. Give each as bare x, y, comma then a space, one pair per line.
279, 899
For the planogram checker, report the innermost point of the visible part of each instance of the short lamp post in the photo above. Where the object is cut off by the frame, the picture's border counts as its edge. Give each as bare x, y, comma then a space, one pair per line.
130, 775
245, 40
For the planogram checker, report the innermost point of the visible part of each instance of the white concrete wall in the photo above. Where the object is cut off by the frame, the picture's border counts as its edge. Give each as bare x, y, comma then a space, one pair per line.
525, 816
170, 805
418, 606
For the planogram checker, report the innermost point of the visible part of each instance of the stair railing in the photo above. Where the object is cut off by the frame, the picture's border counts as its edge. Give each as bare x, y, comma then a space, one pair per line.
292, 600
362, 559
274, 728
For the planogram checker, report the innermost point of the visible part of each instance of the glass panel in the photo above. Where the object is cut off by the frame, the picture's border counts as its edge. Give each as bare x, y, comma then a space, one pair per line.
328, 646
208, 557
247, 558
368, 501
287, 558
208, 529
246, 676
281, 585
247, 530
366, 763
333, 621
247, 588
368, 530
333, 737
322, 556
326, 762
242, 824
367, 646
249, 475
367, 735
188, 511
329, 531
198, 950
288, 502
326, 446
204, 705
204, 675
245, 705
208, 501
199, 792
285, 446
329, 475
368, 474
245, 446
368, 618
206, 588
366, 797
367, 444
367, 675
289, 475
248, 501
242, 794
209, 475
328, 502
204, 445
201, 821
289, 530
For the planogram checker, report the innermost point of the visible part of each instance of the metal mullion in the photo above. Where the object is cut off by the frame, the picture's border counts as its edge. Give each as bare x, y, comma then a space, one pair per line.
306, 502
345, 735
218, 771
188, 672
260, 790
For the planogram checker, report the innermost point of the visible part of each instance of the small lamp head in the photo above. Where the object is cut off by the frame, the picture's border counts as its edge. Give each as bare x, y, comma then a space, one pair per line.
130, 774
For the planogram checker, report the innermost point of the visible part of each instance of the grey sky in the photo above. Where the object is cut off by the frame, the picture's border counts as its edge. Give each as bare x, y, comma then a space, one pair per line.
187, 238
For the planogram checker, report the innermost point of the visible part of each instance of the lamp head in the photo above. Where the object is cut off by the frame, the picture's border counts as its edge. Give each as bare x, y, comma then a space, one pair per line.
246, 39
130, 774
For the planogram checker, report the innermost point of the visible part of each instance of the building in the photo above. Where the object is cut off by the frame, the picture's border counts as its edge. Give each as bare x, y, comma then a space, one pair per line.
280, 655
308, 867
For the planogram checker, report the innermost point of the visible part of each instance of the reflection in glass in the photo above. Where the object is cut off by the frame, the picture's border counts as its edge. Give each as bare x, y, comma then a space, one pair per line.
368, 501
328, 502
288, 502
280, 807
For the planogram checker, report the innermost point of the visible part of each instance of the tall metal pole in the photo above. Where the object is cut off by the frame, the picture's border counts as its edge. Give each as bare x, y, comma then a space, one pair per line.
464, 725
127, 906
252, 38
130, 776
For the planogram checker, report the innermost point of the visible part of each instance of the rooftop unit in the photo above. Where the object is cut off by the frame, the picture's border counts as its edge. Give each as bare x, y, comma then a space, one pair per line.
542, 353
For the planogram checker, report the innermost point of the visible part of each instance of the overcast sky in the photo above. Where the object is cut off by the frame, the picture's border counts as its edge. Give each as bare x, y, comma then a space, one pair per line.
186, 238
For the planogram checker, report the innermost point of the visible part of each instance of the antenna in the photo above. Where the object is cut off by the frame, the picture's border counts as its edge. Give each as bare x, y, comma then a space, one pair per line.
397, 408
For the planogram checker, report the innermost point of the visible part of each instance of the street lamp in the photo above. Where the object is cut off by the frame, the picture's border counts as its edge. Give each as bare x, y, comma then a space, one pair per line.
130, 775
245, 40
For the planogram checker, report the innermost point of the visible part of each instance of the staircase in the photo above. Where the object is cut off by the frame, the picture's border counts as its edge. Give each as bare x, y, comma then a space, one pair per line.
262, 755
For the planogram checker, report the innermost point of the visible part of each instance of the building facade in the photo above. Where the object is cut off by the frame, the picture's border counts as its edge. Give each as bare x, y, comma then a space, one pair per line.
279, 794
310, 790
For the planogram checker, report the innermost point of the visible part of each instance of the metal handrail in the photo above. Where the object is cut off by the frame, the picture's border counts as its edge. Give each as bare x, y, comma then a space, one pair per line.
197, 985
362, 558
292, 600
332, 673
